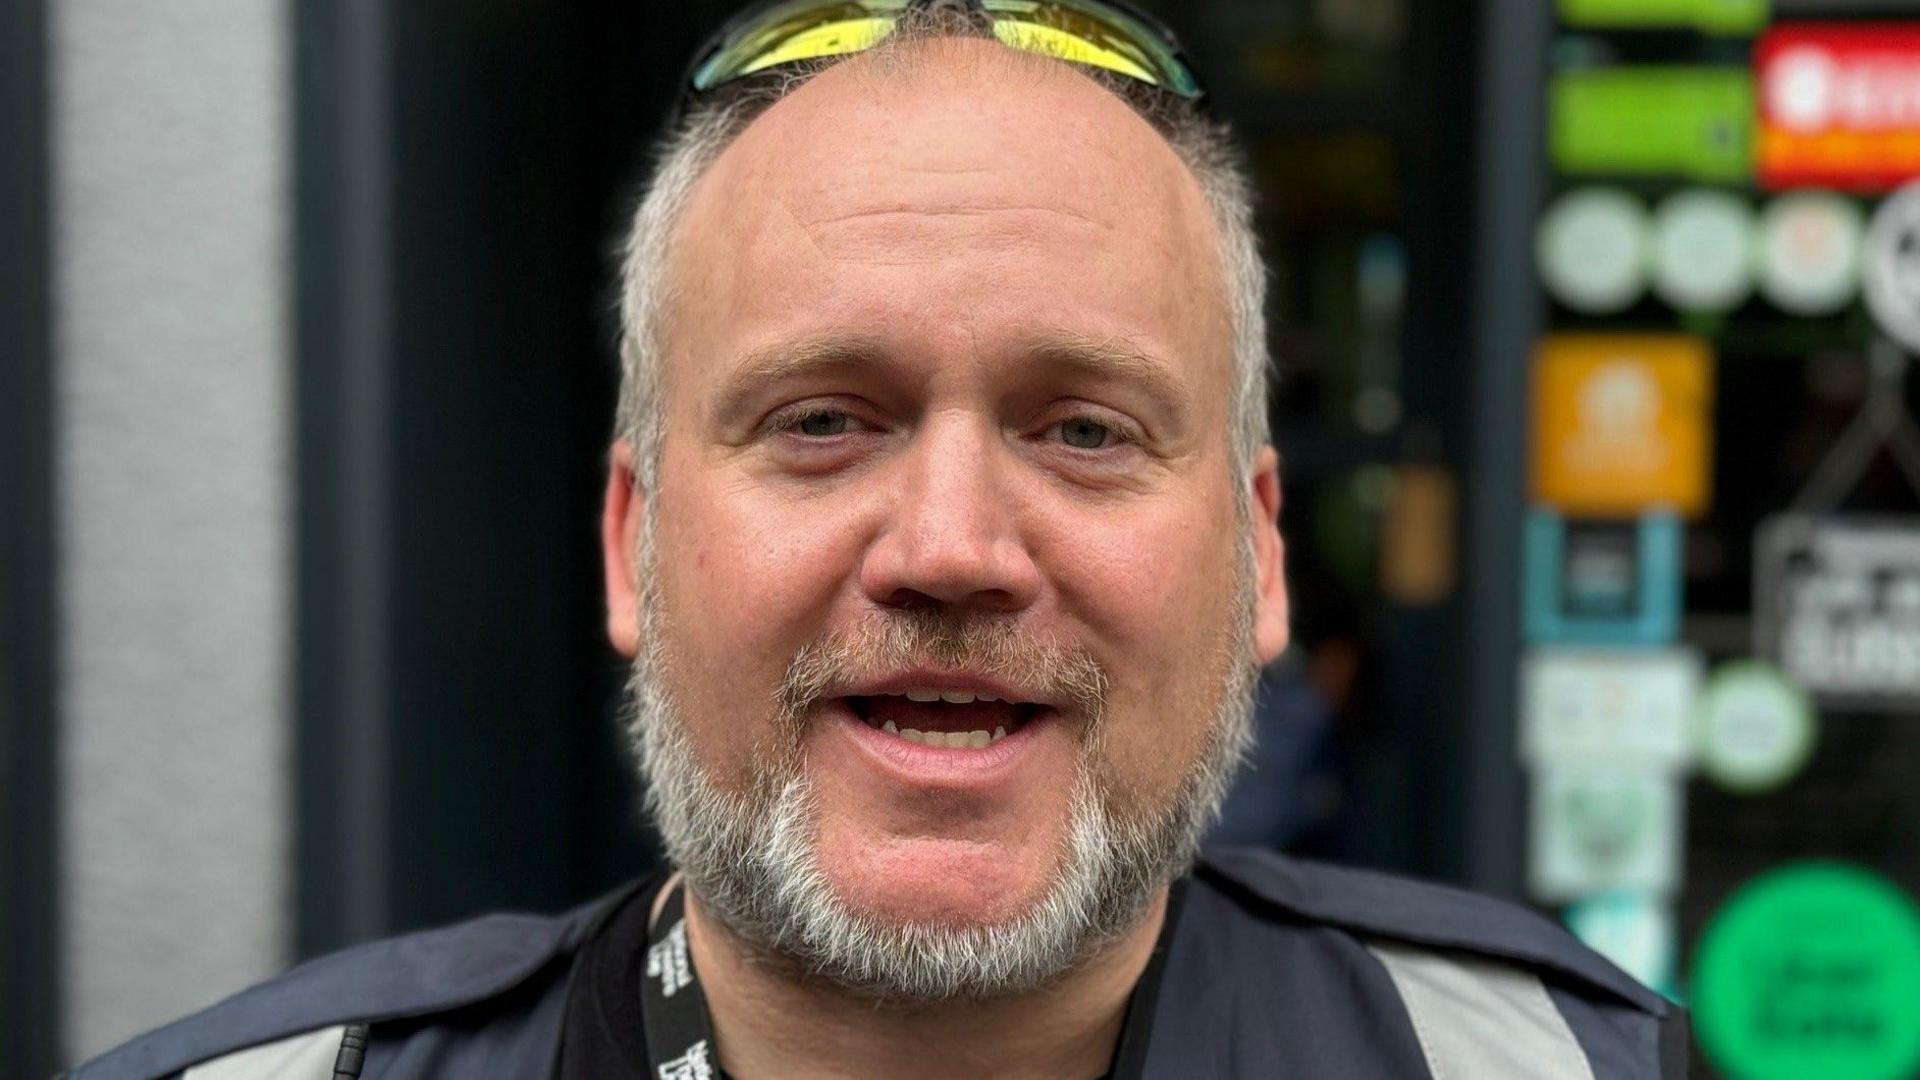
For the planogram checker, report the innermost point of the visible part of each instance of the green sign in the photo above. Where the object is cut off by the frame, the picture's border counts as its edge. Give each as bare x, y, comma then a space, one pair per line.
1713, 16
1811, 972
1693, 122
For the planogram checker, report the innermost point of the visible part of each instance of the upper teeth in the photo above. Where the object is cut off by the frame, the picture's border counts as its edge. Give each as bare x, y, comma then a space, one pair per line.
951, 697
957, 740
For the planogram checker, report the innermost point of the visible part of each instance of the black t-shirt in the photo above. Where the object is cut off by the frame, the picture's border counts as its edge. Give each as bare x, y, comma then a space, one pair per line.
604, 1036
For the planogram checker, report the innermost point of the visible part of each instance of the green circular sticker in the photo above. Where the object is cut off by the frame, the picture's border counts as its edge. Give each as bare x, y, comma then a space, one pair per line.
1753, 727
1811, 972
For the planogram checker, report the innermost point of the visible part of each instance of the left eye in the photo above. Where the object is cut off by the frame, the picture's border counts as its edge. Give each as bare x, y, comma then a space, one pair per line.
1084, 434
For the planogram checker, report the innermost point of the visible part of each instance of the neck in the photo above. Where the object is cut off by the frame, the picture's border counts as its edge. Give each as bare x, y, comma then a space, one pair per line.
767, 1022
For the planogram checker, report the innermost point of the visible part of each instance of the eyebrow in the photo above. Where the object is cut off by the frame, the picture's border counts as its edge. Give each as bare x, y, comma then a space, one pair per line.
1114, 358
771, 364
1065, 352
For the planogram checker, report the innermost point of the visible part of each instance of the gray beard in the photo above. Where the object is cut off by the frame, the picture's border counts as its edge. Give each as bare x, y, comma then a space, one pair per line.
752, 861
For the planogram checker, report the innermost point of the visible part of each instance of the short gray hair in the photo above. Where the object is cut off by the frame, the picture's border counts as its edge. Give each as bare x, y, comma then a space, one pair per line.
707, 129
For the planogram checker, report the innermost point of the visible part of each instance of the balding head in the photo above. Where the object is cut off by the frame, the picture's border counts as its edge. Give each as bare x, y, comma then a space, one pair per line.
1058, 109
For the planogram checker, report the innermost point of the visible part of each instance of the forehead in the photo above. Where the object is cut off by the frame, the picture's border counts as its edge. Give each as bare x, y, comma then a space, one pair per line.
989, 189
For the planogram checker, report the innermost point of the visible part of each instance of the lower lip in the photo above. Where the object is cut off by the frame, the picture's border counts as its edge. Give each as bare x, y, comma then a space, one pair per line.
925, 764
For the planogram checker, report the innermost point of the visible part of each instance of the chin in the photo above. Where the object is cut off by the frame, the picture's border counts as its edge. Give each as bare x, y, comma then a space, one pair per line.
937, 881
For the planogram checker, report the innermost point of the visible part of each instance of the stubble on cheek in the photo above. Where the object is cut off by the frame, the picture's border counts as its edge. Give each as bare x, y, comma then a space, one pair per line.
749, 749
1164, 727
1138, 772
742, 742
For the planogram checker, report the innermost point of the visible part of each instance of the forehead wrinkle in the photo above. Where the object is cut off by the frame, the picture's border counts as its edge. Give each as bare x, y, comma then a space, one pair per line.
948, 211
922, 236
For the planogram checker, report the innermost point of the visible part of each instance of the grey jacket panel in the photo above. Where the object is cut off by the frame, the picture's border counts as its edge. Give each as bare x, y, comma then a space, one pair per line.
1621, 1029
1244, 994
309, 1056
1424, 913
1475, 1016
1275, 968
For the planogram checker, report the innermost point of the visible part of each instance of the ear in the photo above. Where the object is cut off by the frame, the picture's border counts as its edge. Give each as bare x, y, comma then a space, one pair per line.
621, 520
1271, 629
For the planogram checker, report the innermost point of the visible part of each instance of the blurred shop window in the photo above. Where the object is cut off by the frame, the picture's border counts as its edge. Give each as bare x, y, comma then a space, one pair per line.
1334, 102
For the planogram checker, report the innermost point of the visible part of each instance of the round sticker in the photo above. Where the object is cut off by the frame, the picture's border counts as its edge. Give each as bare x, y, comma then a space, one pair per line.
1592, 250
1810, 253
1754, 727
1890, 266
1811, 972
1703, 251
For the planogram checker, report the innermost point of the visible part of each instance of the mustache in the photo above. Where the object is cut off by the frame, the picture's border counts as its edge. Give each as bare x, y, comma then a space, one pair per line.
908, 638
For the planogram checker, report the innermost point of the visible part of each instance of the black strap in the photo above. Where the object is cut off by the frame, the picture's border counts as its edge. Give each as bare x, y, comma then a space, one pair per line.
679, 1033
353, 1053
1136, 1029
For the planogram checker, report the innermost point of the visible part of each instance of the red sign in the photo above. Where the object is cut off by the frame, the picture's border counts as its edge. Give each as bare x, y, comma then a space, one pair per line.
1839, 105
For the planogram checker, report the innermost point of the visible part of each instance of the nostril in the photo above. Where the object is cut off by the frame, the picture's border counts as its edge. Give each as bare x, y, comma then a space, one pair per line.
989, 599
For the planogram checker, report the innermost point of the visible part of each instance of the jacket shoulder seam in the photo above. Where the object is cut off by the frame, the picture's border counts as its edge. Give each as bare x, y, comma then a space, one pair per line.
1351, 900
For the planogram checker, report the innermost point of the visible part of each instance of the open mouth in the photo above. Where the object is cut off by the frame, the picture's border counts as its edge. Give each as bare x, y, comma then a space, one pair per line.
952, 719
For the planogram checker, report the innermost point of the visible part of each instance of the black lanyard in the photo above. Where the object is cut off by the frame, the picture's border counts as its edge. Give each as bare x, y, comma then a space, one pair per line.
679, 1033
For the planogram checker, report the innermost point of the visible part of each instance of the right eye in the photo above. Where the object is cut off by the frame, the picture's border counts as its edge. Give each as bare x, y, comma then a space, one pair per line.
820, 423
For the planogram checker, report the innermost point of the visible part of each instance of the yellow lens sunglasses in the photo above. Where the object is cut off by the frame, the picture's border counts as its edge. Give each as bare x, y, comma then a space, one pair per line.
1103, 34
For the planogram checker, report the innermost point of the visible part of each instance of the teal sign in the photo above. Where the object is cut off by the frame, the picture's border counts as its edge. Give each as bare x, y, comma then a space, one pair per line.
1811, 972
1601, 583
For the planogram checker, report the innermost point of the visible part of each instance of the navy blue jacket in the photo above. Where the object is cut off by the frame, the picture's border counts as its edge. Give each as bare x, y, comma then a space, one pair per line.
1275, 968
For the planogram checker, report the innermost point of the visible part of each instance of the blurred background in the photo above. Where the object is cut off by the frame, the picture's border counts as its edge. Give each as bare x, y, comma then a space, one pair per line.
1592, 321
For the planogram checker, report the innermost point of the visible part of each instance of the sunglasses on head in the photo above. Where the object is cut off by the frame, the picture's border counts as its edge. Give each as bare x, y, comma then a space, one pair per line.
1102, 34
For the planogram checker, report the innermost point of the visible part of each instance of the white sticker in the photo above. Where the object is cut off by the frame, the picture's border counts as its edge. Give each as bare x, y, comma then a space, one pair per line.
1810, 253
1890, 267
1755, 728
1703, 251
1599, 828
1591, 248
1625, 706
1837, 606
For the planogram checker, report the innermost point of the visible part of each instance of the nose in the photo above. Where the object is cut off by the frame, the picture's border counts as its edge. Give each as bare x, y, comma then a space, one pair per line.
951, 537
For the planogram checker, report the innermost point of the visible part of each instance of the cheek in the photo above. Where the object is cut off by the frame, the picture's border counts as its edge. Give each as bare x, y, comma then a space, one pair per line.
743, 585
1158, 593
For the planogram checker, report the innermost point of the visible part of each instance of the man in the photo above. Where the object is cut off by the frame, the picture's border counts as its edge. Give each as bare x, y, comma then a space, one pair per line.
941, 529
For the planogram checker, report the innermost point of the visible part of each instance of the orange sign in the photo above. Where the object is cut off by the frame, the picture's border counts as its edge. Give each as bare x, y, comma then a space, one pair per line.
1622, 424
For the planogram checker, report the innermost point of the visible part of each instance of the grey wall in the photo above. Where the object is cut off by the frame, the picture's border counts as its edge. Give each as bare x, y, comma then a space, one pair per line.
169, 163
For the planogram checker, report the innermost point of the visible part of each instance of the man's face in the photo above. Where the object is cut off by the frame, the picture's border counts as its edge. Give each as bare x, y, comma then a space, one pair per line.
948, 353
